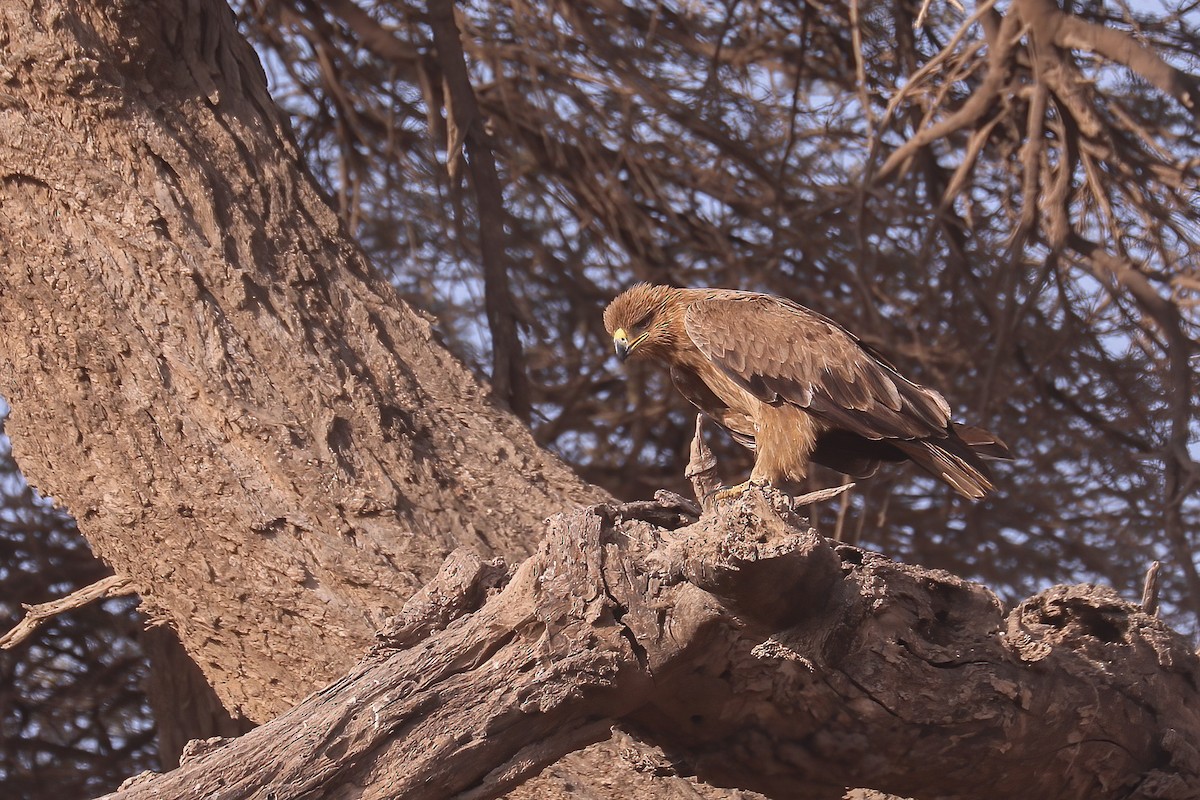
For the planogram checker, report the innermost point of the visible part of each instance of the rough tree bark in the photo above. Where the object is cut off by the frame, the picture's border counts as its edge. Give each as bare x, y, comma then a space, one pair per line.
240, 413
207, 371
276, 452
759, 653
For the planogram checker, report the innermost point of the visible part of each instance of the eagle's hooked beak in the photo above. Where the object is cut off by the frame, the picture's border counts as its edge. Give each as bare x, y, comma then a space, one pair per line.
621, 344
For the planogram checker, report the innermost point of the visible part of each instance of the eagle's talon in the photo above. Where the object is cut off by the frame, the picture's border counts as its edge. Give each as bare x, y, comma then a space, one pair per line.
735, 491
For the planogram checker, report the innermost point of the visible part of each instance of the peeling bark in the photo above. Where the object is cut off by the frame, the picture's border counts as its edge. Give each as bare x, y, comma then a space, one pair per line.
757, 654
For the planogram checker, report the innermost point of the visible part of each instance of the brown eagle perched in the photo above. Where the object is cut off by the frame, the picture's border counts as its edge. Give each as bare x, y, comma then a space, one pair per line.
796, 386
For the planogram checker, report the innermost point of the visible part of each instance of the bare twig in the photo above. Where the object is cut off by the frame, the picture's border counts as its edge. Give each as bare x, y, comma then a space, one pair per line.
860, 71
971, 111
843, 508
823, 494
112, 586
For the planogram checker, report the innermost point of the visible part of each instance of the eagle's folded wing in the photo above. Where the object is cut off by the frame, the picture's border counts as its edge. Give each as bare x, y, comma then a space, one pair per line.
782, 352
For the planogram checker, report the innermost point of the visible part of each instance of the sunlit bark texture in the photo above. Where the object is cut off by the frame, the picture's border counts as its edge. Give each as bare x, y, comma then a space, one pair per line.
238, 411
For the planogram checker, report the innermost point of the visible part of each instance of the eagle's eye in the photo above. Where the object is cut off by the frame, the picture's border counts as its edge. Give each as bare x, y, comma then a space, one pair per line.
646, 319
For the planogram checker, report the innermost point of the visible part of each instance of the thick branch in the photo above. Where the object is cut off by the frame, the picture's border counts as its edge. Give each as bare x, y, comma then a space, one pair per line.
758, 654
528, 677
1120, 47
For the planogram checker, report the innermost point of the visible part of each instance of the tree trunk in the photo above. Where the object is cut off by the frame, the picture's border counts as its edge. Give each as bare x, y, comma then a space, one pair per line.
185, 706
757, 653
242, 415
239, 412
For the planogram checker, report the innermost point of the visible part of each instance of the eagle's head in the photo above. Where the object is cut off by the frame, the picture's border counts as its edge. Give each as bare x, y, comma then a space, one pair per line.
644, 320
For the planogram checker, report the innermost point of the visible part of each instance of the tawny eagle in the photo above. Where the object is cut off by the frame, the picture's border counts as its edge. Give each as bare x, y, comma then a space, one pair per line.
796, 386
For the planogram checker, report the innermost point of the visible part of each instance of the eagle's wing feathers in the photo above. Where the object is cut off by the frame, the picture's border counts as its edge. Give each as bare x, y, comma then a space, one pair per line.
782, 352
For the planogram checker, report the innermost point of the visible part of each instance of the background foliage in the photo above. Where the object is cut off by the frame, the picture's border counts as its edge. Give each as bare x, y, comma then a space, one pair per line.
1003, 199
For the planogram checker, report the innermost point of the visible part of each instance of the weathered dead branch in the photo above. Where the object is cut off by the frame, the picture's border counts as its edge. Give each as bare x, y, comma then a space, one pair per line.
112, 586
757, 654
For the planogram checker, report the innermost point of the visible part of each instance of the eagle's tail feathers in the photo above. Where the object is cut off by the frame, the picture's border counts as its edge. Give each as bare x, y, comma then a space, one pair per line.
953, 461
984, 444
